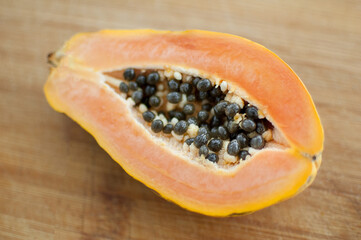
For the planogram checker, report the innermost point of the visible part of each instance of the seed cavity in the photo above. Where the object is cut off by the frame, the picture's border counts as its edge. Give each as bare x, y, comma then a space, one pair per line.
209, 121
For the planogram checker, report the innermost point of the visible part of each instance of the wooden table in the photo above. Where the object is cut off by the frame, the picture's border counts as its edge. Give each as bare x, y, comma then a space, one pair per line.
57, 183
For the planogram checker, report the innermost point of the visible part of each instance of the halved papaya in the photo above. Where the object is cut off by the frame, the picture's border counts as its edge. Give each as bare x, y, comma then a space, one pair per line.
213, 122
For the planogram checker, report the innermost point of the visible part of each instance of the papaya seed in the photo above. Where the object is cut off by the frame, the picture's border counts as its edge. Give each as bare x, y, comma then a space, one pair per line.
157, 126
189, 141
181, 127
123, 87
133, 86
243, 154
215, 145
233, 148
137, 96
212, 157
129, 74
168, 128
148, 116
204, 85
257, 142
174, 97
203, 150
153, 78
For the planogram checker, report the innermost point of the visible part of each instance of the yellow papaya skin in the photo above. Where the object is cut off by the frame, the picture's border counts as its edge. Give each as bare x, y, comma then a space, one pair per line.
76, 87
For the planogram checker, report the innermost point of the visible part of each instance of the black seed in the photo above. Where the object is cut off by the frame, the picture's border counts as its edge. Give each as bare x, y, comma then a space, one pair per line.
215, 145
193, 120
141, 80
243, 154
173, 85
174, 97
243, 140
232, 109
200, 140
123, 87
133, 86
203, 130
232, 127
204, 125
203, 116
220, 108
186, 88
137, 96
150, 90
157, 126
191, 98
216, 121
257, 142
129, 74
154, 101
195, 81
212, 157
207, 107
148, 116
177, 114
248, 125
153, 78
188, 109
189, 141
233, 148
223, 133
202, 95
214, 132
203, 150
180, 127
252, 112
204, 85
168, 128
215, 92
261, 128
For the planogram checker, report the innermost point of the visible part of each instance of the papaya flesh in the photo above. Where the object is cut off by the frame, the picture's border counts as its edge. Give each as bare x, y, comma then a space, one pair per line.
83, 84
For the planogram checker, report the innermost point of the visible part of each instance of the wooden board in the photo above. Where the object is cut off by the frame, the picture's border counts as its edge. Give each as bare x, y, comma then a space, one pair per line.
57, 183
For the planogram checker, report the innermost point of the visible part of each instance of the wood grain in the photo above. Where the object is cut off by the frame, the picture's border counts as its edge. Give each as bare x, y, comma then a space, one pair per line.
57, 183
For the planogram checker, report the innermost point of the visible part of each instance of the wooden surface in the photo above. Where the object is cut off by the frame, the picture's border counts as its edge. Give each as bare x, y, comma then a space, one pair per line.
57, 183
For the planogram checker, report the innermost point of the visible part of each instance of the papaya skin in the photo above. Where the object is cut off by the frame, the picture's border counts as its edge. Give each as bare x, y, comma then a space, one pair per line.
75, 87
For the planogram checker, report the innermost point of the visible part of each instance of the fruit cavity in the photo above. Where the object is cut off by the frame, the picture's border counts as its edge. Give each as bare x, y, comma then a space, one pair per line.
213, 124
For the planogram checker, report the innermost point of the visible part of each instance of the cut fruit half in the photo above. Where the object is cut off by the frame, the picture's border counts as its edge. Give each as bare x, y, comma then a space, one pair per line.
213, 122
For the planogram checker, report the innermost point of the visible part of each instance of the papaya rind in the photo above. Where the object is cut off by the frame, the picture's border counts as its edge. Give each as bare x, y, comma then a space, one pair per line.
69, 104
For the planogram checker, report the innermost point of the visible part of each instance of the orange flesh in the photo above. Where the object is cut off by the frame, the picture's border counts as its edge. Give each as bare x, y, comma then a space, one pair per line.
75, 87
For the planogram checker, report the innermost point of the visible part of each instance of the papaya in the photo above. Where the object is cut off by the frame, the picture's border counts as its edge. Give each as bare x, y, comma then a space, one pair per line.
213, 122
